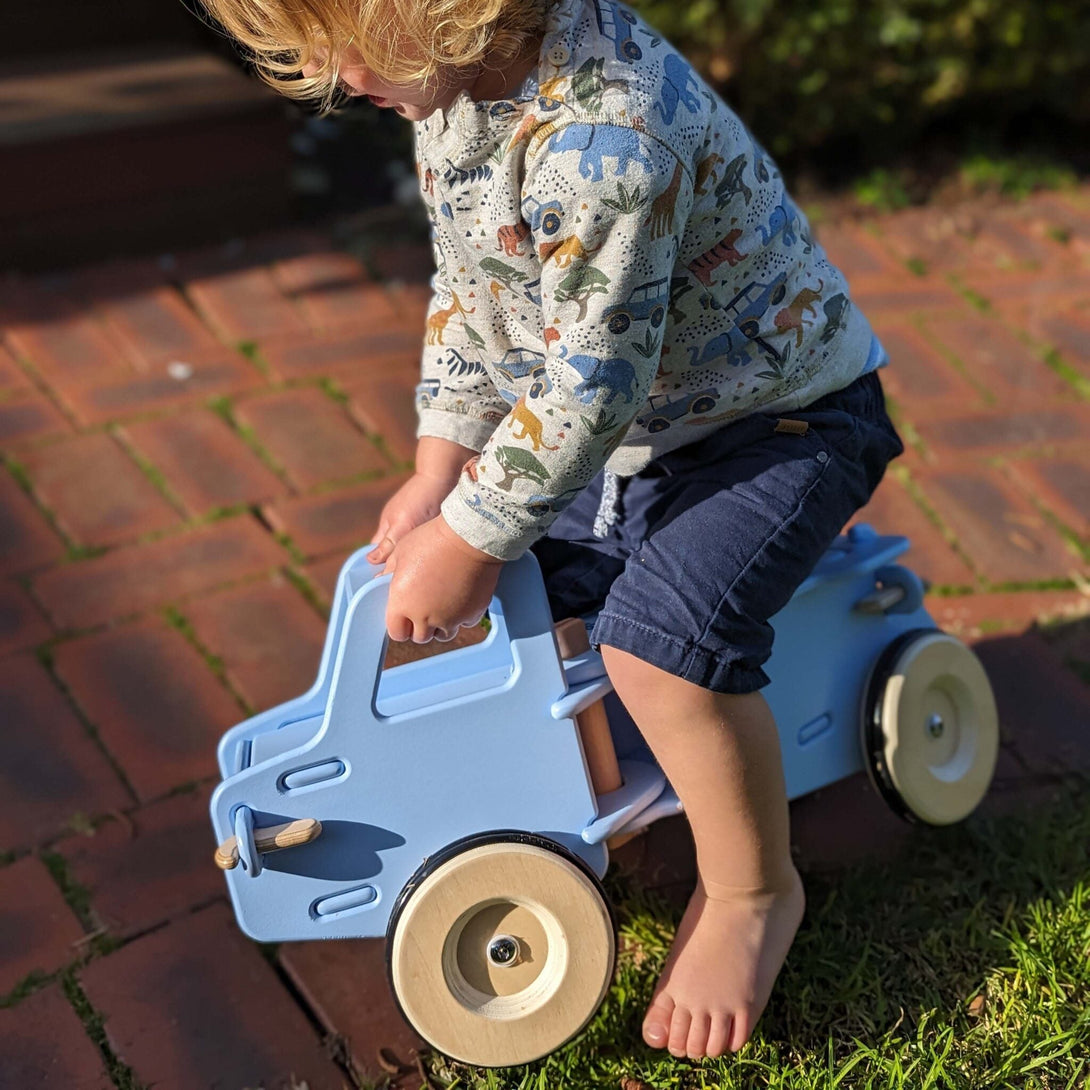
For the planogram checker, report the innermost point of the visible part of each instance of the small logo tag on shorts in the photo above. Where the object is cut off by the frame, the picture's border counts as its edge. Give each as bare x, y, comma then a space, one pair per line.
791, 427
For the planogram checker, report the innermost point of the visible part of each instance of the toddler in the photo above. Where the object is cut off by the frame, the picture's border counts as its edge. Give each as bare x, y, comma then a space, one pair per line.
637, 363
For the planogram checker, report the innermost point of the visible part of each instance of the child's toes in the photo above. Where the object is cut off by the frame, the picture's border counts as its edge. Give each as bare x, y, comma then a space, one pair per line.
719, 1035
697, 1041
656, 1023
679, 1031
744, 1020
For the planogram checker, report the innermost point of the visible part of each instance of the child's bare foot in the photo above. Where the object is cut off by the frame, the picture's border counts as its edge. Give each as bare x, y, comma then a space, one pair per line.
721, 969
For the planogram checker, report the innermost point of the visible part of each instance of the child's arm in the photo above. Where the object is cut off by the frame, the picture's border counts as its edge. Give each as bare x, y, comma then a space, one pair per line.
620, 235
617, 201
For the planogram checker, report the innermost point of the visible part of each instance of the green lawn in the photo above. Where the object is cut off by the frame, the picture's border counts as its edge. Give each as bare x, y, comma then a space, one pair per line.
964, 964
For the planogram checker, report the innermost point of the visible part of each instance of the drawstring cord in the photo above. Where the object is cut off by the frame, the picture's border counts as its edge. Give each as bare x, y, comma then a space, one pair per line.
608, 505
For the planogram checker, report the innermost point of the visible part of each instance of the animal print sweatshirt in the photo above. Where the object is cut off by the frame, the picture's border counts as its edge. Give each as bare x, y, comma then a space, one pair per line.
619, 272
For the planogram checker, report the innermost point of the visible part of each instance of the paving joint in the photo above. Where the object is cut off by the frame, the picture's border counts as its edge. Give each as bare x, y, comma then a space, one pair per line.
45, 657
224, 408
181, 624
919, 497
94, 1024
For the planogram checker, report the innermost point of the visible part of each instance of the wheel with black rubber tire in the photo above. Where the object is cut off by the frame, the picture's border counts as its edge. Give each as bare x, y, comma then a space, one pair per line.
501, 949
930, 728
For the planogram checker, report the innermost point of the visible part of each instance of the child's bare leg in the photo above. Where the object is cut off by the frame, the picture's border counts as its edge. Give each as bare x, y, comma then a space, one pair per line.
721, 754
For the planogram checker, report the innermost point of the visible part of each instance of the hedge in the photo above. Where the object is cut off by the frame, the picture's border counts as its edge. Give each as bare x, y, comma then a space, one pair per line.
877, 73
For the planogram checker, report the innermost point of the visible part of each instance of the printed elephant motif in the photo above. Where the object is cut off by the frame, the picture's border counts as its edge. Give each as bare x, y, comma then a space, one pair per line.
612, 143
616, 375
675, 89
781, 221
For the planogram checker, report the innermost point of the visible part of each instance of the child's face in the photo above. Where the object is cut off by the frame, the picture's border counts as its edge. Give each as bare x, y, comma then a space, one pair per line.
412, 101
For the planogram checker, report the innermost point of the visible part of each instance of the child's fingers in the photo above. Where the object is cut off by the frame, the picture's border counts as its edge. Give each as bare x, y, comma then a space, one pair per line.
399, 627
382, 544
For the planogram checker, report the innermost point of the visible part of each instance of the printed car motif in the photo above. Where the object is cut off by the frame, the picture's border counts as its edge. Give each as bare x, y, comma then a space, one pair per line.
648, 301
664, 412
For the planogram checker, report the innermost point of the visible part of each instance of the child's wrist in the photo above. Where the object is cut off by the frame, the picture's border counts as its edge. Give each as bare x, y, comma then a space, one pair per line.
458, 542
441, 460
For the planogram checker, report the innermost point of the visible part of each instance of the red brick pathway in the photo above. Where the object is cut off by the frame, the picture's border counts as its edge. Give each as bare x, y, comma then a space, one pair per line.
190, 448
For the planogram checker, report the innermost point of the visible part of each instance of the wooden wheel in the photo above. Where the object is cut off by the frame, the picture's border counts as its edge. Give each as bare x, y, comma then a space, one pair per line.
501, 950
931, 728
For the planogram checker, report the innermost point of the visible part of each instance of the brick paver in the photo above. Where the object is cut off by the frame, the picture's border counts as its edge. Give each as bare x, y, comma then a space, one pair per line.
204, 462
12, 378
245, 304
311, 436
31, 416
157, 706
268, 637
75, 350
50, 769
341, 356
96, 492
119, 671
997, 359
156, 326
892, 511
340, 520
134, 579
334, 292
21, 622
382, 400
43, 1044
345, 984
27, 541
165, 384
1061, 482
195, 1004
1008, 539
151, 865
38, 931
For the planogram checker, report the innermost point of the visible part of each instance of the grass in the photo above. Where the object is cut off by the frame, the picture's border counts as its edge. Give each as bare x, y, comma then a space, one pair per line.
962, 964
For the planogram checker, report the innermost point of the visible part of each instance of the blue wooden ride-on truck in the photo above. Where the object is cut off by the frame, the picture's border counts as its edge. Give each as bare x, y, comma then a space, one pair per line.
463, 806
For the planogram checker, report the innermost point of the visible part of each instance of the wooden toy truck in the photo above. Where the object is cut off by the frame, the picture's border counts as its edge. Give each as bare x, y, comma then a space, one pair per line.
463, 806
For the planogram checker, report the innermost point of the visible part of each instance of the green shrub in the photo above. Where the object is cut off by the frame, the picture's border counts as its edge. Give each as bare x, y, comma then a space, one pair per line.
877, 73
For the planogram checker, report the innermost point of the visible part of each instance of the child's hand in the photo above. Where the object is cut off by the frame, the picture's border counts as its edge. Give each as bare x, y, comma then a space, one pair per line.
440, 583
414, 503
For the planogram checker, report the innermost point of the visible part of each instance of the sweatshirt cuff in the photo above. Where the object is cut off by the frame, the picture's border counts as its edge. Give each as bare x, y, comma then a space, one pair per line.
460, 428
488, 528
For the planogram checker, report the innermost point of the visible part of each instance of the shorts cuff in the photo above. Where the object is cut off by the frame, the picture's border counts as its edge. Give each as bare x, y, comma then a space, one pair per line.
677, 657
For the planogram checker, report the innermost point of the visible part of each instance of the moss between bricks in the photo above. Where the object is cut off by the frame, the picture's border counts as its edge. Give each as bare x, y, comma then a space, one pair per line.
223, 407
150, 470
45, 657
180, 623
120, 1073
913, 489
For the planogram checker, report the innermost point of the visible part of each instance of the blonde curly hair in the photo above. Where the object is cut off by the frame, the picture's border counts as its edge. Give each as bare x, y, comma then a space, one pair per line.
400, 41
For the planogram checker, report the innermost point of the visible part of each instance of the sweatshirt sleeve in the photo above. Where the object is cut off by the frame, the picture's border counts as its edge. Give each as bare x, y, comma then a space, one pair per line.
455, 398
606, 205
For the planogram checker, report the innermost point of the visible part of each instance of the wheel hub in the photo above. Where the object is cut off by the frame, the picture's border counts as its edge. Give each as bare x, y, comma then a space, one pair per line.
501, 951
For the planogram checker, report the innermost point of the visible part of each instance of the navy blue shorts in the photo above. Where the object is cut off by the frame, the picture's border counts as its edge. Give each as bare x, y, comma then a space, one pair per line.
712, 539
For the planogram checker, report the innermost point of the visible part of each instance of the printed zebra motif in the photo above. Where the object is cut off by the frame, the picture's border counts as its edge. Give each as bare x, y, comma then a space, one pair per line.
463, 177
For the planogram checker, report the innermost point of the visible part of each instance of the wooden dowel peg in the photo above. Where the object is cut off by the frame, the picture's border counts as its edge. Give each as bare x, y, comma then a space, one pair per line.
271, 839
593, 724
